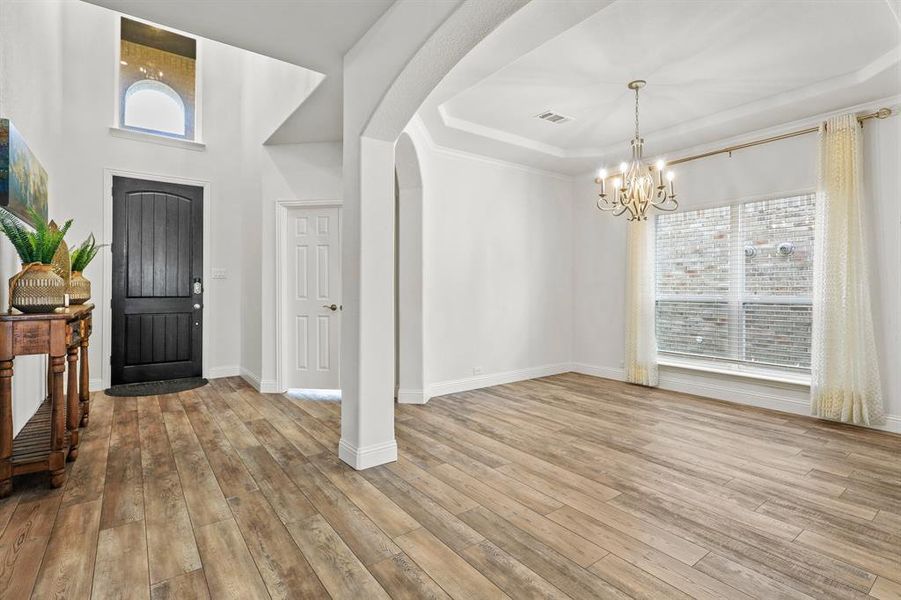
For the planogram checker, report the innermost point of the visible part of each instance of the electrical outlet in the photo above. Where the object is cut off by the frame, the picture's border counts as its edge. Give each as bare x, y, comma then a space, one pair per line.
477, 370
220, 273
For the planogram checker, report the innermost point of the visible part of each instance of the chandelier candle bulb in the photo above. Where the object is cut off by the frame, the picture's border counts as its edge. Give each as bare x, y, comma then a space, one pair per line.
622, 167
670, 176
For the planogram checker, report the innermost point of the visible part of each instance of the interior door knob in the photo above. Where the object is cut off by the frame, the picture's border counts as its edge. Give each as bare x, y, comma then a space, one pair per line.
332, 307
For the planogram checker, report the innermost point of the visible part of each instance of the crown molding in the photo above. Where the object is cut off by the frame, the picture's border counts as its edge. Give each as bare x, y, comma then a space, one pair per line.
417, 129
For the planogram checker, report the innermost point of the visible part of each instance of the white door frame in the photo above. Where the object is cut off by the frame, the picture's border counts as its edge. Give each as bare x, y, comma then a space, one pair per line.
106, 307
281, 222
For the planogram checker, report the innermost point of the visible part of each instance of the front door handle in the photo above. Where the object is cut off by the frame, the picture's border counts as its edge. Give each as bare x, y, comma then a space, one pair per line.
331, 307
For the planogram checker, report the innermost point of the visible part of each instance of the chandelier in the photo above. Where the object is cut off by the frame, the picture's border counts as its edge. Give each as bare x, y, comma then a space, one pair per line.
635, 189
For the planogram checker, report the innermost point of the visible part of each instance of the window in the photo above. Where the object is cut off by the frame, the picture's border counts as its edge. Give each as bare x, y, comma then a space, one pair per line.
156, 80
734, 283
154, 106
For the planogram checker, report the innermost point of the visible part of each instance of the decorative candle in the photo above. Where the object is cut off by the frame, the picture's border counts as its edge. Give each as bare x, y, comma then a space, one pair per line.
670, 176
660, 166
602, 177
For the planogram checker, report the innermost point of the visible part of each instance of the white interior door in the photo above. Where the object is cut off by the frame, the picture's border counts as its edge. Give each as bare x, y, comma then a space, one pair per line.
313, 303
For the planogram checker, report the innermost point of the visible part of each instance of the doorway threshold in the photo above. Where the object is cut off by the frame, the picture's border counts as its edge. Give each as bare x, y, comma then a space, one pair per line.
315, 395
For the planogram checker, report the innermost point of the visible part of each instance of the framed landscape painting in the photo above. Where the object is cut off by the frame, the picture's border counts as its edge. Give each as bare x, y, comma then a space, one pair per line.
23, 181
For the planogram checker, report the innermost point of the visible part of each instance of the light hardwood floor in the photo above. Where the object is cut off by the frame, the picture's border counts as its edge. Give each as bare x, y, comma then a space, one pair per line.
566, 486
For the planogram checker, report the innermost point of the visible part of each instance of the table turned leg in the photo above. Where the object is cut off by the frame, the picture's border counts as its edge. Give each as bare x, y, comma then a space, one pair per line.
84, 390
6, 427
73, 411
57, 458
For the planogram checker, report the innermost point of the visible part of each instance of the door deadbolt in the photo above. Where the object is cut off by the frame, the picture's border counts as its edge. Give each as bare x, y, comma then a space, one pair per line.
198, 286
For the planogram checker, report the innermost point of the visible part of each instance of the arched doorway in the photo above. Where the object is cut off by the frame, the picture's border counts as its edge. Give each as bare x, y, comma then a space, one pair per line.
409, 328
381, 95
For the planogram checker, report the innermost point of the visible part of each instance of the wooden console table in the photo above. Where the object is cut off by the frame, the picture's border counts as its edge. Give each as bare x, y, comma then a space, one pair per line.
51, 435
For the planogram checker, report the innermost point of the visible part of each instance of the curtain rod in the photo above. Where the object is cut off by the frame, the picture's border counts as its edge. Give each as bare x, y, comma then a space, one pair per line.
882, 113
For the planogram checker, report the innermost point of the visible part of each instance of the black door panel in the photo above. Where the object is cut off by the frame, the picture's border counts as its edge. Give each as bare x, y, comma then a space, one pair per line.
157, 258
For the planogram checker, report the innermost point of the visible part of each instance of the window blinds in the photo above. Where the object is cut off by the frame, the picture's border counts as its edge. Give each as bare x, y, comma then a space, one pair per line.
734, 282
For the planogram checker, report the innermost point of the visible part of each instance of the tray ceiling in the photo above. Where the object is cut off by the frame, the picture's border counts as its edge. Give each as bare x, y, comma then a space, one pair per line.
714, 69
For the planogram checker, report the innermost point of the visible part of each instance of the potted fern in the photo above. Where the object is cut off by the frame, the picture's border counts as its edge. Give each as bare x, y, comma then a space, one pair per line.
36, 288
79, 289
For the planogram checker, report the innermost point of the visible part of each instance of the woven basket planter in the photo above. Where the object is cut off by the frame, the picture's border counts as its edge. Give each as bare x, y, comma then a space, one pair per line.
37, 289
79, 289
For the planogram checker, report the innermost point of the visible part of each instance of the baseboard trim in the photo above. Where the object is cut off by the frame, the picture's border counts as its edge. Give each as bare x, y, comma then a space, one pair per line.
263, 386
250, 377
412, 397
892, 423
481, 381
270, 386
785, 397
369, 456
219, 372
598, 371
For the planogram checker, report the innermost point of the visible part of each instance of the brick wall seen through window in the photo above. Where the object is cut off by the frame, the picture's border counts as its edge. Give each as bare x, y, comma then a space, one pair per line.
734, 282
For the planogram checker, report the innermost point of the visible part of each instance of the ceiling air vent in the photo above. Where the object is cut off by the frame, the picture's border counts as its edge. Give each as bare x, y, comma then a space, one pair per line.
552, 117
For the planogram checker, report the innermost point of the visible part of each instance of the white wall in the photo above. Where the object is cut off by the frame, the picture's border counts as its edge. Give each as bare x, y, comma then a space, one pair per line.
496, 262
289, 172
58, 78
22, 77
786, 166
497, 275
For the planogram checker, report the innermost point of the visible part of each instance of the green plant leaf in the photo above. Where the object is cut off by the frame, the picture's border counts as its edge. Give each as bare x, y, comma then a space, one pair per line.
82, 256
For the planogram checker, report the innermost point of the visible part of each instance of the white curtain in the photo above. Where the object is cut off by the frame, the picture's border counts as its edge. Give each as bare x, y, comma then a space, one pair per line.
641, 337
844, 370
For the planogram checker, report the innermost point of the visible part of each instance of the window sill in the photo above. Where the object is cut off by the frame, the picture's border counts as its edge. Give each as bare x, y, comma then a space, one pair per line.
773, 375
140, 136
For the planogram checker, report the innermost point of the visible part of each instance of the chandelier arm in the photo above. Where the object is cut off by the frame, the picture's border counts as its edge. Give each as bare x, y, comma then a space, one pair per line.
660, 196
668, 203
675, 206
607, 205
602, 206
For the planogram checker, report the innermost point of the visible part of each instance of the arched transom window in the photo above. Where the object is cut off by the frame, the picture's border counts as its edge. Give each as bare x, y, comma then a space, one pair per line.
157, 81
154, 106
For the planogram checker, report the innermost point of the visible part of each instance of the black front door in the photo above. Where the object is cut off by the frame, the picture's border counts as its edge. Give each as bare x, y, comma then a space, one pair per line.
157, 287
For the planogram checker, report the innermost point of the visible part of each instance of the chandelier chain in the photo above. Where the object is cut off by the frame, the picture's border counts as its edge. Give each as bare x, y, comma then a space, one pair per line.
636, 113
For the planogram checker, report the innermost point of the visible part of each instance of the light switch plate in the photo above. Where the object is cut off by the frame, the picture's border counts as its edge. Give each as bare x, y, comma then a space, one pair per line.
220, 273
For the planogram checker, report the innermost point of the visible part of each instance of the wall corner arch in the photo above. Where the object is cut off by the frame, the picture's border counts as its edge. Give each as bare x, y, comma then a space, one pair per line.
409, 313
